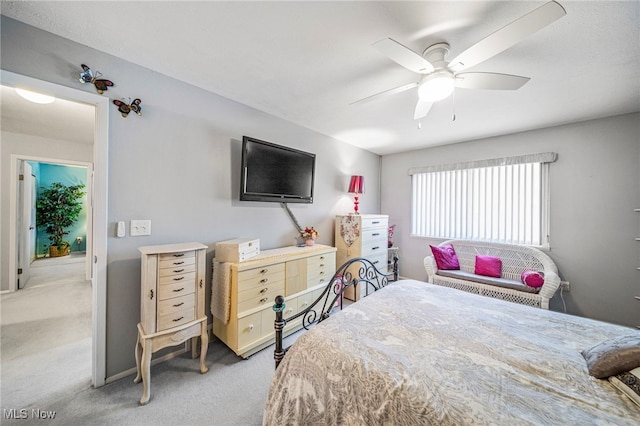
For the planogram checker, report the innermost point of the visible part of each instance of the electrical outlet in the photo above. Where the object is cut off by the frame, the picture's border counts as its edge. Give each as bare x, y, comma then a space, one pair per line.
564, 285
140, 228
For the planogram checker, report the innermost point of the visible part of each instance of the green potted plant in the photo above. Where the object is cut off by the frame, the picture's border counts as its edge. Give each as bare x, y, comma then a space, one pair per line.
57, 208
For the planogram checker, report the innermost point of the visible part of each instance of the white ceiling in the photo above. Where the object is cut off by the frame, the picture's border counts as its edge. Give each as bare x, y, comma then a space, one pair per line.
307, 61
61, 120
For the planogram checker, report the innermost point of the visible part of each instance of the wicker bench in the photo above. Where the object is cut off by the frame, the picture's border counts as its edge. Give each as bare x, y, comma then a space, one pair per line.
515, 260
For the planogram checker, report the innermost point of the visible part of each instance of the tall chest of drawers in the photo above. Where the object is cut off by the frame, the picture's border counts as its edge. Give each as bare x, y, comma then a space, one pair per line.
298, 273
362, 235
171, 304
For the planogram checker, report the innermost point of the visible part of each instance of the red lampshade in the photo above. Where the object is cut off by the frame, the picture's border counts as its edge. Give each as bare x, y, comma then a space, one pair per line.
356, 186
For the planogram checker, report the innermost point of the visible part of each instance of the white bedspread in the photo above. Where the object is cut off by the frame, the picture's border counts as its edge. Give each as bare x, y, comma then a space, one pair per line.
415, 353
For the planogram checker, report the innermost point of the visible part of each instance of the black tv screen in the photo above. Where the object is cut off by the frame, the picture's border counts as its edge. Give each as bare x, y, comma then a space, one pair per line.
276, 173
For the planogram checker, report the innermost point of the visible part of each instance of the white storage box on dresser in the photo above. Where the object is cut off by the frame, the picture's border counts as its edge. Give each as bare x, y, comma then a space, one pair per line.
237, 250
362, 235
243, 293
171, 304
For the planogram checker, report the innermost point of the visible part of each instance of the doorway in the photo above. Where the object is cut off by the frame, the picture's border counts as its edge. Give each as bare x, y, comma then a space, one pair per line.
98, 246
33, 241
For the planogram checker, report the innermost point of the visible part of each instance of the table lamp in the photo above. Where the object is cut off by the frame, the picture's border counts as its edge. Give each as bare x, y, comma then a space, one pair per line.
356, 186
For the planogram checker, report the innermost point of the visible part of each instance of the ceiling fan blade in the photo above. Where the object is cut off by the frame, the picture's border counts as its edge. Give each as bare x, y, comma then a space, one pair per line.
508, 36
489, 81
385, 93
422, 109
403, 56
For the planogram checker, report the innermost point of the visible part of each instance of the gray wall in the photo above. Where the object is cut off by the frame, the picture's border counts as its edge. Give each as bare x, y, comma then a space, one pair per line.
178, 165
595, 186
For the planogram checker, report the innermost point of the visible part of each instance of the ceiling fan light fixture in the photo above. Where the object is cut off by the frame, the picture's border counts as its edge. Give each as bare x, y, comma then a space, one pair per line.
35, 97
436, 86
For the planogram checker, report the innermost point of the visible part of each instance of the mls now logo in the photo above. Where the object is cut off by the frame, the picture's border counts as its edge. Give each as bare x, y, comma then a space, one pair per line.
23, 413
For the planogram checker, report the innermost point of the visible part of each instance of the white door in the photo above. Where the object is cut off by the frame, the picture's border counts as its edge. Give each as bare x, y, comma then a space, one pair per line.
26, 223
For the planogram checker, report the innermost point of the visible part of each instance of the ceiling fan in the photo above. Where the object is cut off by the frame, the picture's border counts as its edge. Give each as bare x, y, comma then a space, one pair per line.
439, 76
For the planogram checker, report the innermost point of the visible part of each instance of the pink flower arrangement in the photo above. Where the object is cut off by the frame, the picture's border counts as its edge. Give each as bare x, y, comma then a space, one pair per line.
309, 233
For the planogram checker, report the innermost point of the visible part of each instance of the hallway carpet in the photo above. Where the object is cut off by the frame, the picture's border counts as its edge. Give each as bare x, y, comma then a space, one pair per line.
46, 327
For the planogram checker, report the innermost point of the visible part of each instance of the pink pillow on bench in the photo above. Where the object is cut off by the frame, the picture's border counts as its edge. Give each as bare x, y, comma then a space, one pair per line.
532, 278
489, 266
445, 257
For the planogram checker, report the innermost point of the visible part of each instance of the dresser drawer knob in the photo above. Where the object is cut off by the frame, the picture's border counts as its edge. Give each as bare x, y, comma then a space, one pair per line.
321, 265
264, 280
178, 289
178, 304
151, 294
375, 234
375, 248
178, 255
377, 261
290, 310
321, 272
178, 278
177, 319
264, 271
178, 263
263, 300
264, 290
251, 327
375, 222
178, 270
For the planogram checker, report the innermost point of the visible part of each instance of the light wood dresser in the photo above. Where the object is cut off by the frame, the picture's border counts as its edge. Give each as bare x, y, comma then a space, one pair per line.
362, 235
171, 304
298, 273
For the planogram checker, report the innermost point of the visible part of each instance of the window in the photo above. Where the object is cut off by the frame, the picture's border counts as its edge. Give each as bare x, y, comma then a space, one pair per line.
500, 200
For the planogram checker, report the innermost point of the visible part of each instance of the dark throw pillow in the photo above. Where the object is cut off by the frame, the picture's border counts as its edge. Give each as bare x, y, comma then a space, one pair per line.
613, 356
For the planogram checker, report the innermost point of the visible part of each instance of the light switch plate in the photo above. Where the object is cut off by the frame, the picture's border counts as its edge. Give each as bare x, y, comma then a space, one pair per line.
140, 228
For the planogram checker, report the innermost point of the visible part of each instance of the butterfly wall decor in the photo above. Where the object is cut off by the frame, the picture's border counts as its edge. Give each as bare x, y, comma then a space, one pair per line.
126, 108
87, 76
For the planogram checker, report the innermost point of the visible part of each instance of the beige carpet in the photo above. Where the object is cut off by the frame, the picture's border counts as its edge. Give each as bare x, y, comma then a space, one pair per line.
46, 327
45, 365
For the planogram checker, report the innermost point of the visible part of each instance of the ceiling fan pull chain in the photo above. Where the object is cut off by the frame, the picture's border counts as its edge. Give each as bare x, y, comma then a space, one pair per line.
453, 115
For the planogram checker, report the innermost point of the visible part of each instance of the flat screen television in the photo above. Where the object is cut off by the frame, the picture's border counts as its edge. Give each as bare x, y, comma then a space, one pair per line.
276, 173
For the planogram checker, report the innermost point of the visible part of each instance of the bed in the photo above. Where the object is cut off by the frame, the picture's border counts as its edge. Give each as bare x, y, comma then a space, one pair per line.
416, 353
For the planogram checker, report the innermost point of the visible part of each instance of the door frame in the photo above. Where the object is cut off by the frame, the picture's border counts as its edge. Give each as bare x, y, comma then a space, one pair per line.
99, 202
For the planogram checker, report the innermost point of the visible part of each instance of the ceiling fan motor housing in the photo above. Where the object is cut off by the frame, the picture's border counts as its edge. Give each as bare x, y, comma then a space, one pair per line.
436, 54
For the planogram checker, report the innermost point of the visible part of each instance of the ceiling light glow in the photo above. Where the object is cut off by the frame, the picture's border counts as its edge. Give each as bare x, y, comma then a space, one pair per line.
436, 86
38, 98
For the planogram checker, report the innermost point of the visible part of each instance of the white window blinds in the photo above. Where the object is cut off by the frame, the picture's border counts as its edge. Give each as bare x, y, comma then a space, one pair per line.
501, 200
